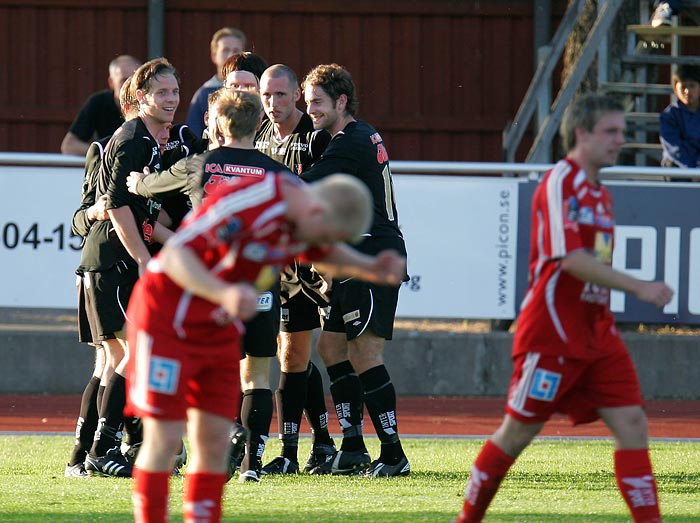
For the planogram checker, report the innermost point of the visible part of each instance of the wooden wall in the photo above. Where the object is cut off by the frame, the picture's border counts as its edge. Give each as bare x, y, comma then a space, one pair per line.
439, 78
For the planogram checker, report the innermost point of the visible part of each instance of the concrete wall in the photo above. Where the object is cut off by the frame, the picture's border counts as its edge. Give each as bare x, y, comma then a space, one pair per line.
45, 360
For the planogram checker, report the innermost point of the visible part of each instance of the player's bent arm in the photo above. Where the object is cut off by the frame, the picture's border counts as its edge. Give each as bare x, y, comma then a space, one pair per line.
387, 267
161, 233
129, 234
183, 266
71, 144
584, 266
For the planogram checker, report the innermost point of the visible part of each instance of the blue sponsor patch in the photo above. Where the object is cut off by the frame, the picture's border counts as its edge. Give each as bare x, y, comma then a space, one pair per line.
163, 375
227, 230
585, 216
544, 385
264, 302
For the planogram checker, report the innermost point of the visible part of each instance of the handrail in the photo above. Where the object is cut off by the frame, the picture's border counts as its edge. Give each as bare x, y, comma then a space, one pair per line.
409, 167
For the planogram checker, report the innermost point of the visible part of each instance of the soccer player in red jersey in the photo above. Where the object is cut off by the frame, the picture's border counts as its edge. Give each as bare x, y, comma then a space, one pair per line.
568, 355
186, 316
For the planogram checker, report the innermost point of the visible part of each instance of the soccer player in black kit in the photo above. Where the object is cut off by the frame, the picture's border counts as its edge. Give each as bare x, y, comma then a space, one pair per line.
288, 136
116, 250
362, 314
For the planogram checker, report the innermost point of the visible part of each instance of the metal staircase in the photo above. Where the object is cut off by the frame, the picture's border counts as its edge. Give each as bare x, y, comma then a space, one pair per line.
648, 49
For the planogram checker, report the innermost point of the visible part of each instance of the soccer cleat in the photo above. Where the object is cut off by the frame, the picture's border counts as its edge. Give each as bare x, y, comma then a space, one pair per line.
378, 469
281, 465
320, 454
111, 464
249, 476
344, 462
75, 471
236, 450
662, 15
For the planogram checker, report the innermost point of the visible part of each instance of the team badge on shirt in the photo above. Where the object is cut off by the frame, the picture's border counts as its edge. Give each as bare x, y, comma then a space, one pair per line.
163, 375
544, 385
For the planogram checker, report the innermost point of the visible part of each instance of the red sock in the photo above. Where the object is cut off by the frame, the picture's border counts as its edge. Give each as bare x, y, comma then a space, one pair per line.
203, 491
150, 496
637, 485
489, 469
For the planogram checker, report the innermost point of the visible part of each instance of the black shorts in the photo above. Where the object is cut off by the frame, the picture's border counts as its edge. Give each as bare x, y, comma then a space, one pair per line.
260, 338
301, 313
358, 307
107, 295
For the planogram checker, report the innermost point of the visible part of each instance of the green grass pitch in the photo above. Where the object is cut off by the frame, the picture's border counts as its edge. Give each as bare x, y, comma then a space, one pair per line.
553, 481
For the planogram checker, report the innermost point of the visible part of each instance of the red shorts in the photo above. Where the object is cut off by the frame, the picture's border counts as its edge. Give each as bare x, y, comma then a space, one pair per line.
167, 375
544, 384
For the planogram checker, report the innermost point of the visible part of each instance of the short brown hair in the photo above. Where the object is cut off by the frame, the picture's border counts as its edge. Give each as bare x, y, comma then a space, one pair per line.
128, 103
143, 76
335, 80
240, 112
224, 32
585, 112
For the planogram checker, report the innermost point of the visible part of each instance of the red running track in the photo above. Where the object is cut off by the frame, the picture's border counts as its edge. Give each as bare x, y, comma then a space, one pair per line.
449, 416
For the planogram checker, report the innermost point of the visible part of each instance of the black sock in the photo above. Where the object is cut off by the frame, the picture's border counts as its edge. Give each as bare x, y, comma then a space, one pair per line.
108, 433
291, 396
100, 397
133, 430
315, 407
380, 399
87, 422
256, 415
347, 398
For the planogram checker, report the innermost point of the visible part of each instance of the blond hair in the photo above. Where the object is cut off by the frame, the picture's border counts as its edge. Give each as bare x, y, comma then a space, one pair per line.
349, 204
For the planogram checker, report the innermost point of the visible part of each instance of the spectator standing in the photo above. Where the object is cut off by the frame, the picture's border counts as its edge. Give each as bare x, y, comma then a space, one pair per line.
100, 116
568, 355
679, 128
224, 43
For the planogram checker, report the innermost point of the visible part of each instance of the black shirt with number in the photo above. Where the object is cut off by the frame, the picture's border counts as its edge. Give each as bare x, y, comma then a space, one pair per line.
131, 148
99, 117
359, 150
298, 150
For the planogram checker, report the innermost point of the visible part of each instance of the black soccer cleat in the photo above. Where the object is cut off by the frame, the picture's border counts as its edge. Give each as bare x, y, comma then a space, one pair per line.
345, 462
280, 465
379, 469
111, 464
320, 454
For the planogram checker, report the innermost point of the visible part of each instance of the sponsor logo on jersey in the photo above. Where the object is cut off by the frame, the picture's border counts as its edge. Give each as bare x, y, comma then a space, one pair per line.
234, 170
255, 251
264, 302
163, 375
544, 385
284, 315
570, 210
299, 146
585, 216
375, 138
225, 231
350, 316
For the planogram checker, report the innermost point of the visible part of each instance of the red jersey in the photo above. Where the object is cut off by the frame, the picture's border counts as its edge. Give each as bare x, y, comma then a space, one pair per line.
561, 314
241, 235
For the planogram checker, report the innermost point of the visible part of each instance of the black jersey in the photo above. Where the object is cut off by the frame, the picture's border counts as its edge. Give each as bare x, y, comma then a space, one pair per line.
298, 150
93, 158
131, 148
98, 118
358, 150
198, 175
